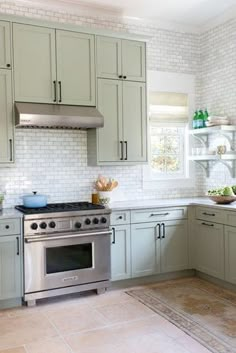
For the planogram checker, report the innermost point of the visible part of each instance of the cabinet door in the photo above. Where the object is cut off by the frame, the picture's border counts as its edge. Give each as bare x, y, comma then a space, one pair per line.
108, 57
6, 117
10, 270
145, 249
230, 251
75, 68
134, 60
135, 121
174, 246
34, 63
110, 105
120, 253
5, 45
210, 248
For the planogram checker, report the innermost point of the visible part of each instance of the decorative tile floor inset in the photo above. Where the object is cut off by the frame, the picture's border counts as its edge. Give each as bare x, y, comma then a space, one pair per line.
204, 311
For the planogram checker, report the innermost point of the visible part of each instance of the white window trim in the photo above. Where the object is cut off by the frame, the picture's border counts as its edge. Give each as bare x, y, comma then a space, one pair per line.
171, 82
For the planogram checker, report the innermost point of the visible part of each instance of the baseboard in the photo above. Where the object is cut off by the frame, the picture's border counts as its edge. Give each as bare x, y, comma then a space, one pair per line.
217, 281
131, 282
10, 303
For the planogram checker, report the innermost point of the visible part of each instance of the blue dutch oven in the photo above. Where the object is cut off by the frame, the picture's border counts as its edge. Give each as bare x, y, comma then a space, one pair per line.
34, 200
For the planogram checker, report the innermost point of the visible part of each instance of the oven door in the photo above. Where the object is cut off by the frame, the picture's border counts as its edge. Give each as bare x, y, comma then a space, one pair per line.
66, 260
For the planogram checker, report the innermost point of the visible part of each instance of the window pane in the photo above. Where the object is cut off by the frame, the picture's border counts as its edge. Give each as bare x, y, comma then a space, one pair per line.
158, 163
172, 164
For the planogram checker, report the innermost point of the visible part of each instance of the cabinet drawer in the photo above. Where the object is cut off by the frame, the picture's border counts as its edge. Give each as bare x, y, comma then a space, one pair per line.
120, 217
210, 214
10, 226
231, 218
158, 214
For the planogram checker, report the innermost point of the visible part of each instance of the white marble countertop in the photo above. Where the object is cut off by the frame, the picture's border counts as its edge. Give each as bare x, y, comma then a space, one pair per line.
139, 204
10, 213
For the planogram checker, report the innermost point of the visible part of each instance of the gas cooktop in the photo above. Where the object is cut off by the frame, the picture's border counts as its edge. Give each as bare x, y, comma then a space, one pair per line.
60, 207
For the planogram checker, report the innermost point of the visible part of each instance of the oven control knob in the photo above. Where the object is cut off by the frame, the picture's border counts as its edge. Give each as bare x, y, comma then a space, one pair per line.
43, 225
103, 220
95, 220
78, 225
52, 224
34, 226
87, 221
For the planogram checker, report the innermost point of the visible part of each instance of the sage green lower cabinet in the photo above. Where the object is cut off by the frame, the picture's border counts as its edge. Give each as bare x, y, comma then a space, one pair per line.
230, 254
210, 248
10, 269
145, 249
120, 253
6, 118
174, 246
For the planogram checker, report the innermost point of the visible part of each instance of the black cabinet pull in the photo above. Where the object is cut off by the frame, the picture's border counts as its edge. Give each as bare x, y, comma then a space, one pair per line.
55, 91
7, 226
114, 236
60, 96
121, 150
11, 150
209, 214
159, 231
126, 150
120, 76
120, 217
124, 77
8, 65
163, 231
207, 224
18, 246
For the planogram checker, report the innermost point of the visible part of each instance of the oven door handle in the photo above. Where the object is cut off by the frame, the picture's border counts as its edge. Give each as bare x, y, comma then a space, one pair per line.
38, 238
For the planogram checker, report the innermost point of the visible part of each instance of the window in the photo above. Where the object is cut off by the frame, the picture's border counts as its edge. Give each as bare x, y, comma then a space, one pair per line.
168, 143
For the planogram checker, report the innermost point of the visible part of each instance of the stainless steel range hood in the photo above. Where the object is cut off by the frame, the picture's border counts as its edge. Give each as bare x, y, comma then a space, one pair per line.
57, 116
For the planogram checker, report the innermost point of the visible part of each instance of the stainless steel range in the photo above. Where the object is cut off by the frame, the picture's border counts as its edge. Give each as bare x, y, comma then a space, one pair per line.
66, 249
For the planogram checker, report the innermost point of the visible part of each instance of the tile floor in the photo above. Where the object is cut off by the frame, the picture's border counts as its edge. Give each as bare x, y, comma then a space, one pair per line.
110, 323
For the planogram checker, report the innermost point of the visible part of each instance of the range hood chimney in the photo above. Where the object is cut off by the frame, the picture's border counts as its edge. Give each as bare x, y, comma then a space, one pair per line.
57, 116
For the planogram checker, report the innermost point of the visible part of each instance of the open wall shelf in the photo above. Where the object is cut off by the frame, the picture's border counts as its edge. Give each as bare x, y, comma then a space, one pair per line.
208, 161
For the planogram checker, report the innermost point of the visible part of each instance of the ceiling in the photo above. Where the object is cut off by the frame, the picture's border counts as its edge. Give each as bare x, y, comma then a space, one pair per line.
186, 12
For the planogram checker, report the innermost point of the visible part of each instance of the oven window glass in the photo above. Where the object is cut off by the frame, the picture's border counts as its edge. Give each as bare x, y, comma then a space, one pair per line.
68, 258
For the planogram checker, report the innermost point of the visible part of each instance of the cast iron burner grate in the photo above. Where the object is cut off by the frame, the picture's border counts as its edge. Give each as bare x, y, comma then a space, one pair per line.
60, 207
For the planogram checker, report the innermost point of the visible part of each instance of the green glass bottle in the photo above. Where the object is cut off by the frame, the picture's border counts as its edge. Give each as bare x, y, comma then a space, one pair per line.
195, 120
205, 117
200, 119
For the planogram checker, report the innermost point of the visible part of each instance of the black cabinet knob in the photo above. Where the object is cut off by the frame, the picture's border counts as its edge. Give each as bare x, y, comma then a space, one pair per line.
124, 77
120, 76
7, 226
8, 65
34, 226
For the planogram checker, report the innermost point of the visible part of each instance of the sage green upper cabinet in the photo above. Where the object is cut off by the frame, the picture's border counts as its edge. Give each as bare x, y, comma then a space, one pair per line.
123, 138
34, 63
110, 105
134, 121
121, 59
134, 60
210, 248
230, 251
6, 117
75, 68
5, 45
109, 57
174, 246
